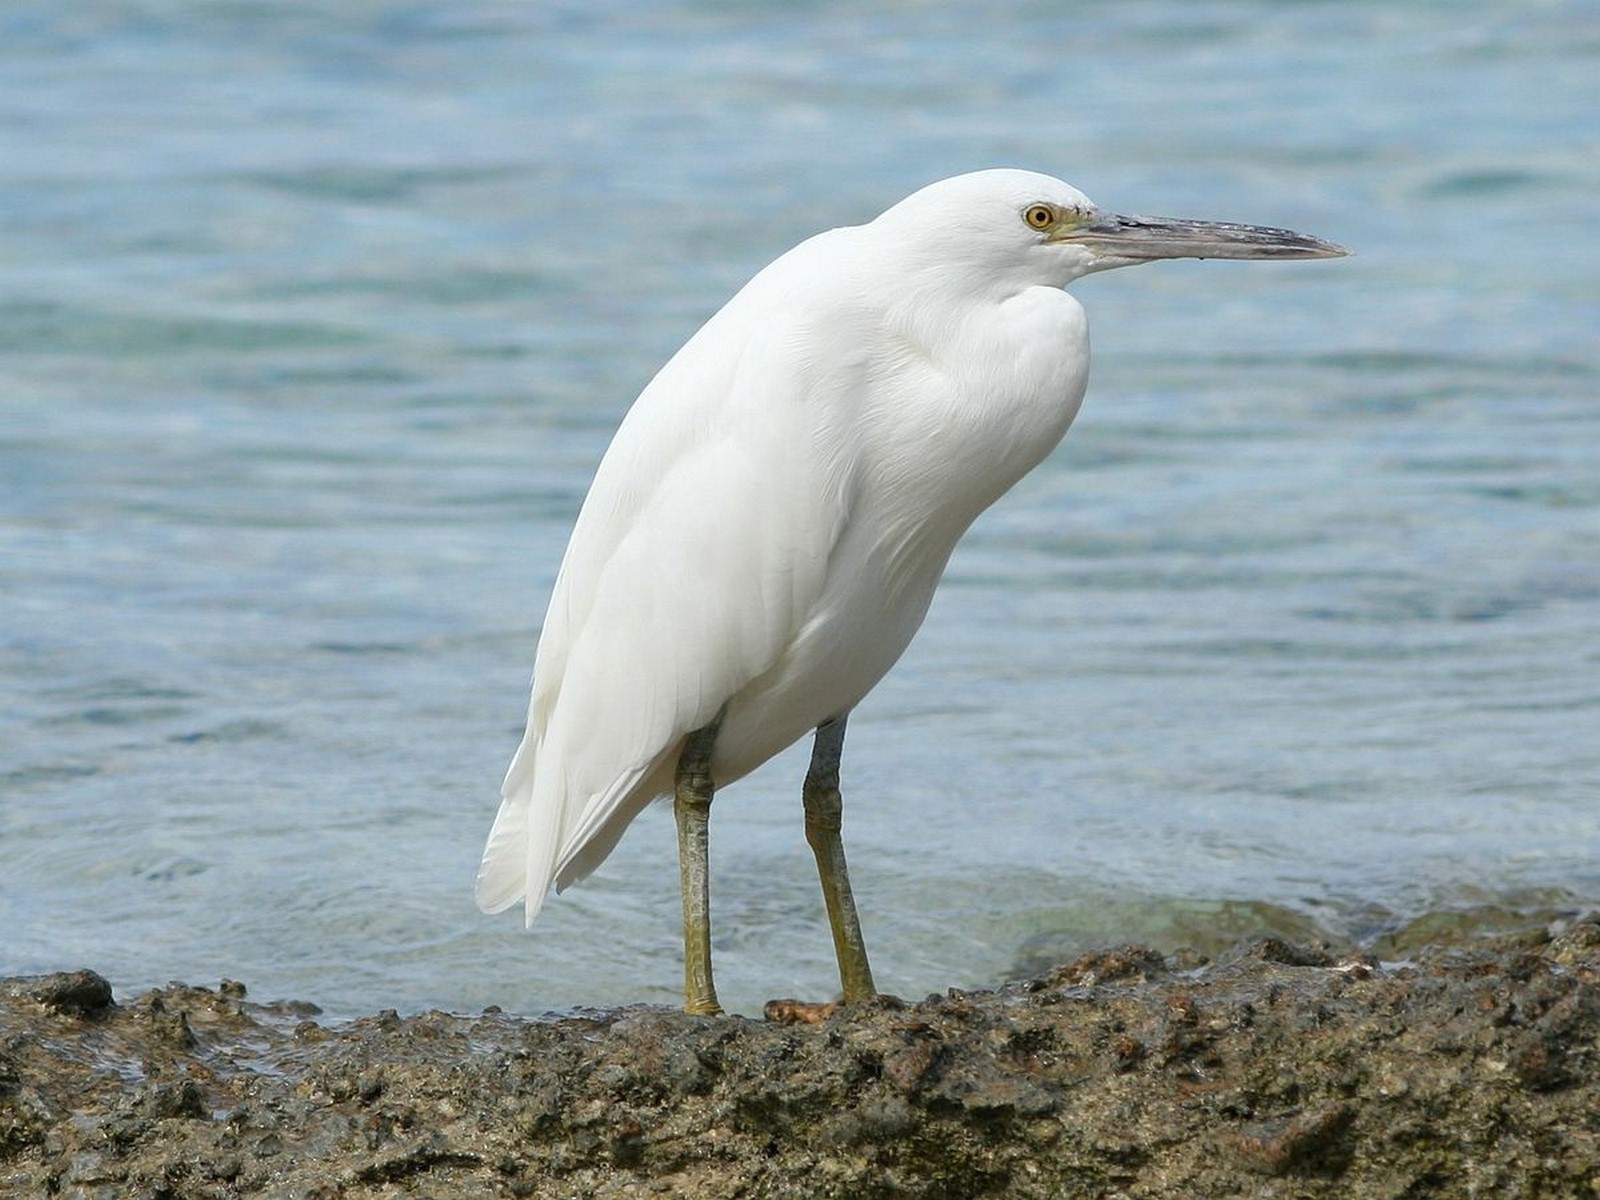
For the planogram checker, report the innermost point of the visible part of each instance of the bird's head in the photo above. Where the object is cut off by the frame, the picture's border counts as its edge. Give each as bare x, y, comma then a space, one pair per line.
1032, 228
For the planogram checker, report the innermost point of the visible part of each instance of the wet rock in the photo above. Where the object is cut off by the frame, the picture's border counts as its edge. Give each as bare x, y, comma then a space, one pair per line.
1276, 950
80, 994
1280, 1069
1301, 1143
1103, 966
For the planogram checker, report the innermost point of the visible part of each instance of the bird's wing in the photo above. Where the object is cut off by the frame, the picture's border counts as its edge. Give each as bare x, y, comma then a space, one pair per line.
701, 547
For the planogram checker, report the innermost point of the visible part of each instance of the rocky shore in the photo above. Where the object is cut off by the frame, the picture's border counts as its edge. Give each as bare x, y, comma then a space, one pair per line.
1277, 1070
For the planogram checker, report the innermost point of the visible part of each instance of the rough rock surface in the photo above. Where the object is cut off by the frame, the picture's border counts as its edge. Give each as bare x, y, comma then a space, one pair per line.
1276, 1071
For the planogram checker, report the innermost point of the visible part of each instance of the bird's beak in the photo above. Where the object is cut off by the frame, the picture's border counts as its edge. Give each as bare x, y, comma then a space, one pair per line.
1117, 240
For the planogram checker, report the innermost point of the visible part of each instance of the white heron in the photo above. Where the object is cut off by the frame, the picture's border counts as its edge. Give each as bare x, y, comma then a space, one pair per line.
765, 533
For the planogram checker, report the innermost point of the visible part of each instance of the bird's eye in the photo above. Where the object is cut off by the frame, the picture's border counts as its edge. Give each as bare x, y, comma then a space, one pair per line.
1039, 216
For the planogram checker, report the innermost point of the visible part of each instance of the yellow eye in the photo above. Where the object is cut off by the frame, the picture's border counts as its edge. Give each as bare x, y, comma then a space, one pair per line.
1039, 216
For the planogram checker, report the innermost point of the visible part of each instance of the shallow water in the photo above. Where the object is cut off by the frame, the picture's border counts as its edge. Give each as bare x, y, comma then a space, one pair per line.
315, 320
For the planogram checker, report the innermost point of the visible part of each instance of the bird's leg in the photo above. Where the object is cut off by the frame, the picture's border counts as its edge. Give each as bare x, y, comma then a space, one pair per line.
691, 804
824, 816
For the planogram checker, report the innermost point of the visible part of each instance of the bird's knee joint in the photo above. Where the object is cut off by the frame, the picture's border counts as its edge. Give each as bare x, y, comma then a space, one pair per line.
693, 787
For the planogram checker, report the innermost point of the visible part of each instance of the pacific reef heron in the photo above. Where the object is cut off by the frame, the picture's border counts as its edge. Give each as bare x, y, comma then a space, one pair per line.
765, 532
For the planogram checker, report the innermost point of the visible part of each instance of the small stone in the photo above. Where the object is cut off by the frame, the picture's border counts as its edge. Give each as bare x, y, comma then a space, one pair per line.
82, 994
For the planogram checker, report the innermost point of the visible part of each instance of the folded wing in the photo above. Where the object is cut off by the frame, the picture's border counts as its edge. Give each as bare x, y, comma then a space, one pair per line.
701, 547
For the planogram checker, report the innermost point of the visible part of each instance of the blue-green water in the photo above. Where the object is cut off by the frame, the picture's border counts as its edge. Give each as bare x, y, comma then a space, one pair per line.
315, 318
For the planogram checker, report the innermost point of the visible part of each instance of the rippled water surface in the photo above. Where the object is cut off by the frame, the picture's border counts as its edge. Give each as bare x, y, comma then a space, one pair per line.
314, 320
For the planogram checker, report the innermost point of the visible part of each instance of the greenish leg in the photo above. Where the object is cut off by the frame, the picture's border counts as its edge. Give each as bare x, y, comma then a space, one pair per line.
824, 817
691, 804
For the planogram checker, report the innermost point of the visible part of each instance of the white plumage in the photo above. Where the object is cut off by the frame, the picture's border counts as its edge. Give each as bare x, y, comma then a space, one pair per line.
769, 524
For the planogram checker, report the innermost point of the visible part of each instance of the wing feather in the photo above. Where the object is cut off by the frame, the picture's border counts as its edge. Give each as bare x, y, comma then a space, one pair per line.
694, 562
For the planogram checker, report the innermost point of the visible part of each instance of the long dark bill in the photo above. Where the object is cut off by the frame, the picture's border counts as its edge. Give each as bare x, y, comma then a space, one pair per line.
1139, 239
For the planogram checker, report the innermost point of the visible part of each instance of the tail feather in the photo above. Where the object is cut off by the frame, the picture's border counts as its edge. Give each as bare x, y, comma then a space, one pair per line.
502, 875
540, 838
520, 856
